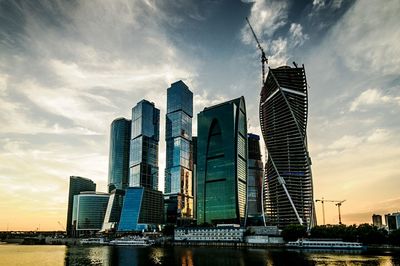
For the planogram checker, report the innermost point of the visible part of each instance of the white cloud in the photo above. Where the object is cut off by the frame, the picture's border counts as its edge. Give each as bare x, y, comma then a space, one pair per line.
346, 142
367, 38
298, 37
266, 17
372, 97
317, 4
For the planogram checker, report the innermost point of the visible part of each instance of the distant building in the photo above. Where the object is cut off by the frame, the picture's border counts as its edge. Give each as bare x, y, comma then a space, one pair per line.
113, 212
392, 221
255, 184
264, 235
178, 193
222, 163
118, 166
88, 212
142, 210
283, 119
377, 220
77, 185
210, 234
143, 159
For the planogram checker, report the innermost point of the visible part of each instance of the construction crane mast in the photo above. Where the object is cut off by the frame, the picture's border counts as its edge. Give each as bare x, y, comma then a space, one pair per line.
264, 59
338, 203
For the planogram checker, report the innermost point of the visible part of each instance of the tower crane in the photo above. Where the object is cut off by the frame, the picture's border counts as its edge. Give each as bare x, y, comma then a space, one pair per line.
264, 59
338, 203
63, 228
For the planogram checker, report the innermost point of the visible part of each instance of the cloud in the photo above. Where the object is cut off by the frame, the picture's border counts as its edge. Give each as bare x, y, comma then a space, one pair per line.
266, 17
371, 45
298, 37
372, 97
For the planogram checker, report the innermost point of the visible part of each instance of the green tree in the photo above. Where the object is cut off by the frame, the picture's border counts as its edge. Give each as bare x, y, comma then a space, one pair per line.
293, 232
394, 237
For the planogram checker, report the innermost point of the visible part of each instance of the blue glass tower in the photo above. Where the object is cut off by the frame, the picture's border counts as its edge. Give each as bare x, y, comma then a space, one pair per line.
118, 168
179, 162
142, 208
143, 160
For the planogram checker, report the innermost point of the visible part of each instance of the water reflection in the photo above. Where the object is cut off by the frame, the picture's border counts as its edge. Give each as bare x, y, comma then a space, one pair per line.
211, 256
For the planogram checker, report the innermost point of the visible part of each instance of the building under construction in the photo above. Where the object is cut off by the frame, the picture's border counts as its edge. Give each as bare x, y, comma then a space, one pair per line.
288, 191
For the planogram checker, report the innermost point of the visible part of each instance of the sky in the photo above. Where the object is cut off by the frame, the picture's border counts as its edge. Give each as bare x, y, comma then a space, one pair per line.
68, 68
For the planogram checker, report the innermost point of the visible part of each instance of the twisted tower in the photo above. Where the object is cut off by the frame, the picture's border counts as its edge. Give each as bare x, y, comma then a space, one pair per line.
288, 193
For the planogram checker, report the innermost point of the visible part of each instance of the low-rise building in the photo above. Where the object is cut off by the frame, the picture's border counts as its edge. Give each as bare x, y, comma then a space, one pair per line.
263, 235
227, 233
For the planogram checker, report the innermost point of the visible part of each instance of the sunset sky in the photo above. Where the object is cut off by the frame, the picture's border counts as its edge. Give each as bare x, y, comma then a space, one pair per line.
68, 68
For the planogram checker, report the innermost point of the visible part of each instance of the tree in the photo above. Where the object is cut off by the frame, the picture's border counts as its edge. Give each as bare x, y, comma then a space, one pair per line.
394, 237
293, 232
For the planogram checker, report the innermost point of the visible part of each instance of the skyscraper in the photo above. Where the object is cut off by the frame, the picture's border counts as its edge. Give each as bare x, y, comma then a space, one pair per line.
283, 119
142, 210
143, 204
118, 167
143, 160
77, 185
255, 184
179, 165
88, 212
222, 163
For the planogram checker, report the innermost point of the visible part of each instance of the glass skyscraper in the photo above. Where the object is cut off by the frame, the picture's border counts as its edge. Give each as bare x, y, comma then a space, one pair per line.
283, 119
118, 168
222, 163
77, 185
88, 212
143, 159
113, 212
142, 210
179, 163
255, 184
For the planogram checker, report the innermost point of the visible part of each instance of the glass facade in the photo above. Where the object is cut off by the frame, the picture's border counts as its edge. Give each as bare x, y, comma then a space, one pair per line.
179, 198
77, 185
255, 212
89, 209
142, 210
143, 158
113, 212
222, 163
118, 169
283, 118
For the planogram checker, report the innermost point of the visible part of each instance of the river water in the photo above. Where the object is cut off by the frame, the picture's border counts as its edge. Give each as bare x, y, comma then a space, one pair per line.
185, 256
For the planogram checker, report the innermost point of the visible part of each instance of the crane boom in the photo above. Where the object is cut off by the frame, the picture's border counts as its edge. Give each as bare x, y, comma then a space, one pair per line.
338, 203
264, 59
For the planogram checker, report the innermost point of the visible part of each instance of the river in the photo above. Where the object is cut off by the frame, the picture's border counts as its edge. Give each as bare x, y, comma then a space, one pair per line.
186, 256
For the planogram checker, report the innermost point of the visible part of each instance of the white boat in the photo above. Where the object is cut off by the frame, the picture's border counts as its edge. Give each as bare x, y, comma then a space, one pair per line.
93, 241
131, 241
324, 244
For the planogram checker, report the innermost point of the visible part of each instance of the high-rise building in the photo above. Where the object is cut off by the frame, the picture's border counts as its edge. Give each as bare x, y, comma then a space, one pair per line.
222, 163
77, 185
377, 220
283, 119
179, 165
88, 212
142, 210
143, 160
113, 212
392, 221
118, 167
194, 145
142, 207
255, 184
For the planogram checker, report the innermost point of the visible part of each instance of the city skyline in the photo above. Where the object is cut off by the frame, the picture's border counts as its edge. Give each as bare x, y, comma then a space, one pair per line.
68, 69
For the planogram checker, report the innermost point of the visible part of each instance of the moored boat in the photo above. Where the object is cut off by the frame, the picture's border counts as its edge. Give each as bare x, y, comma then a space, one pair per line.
324, 244
131, 241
